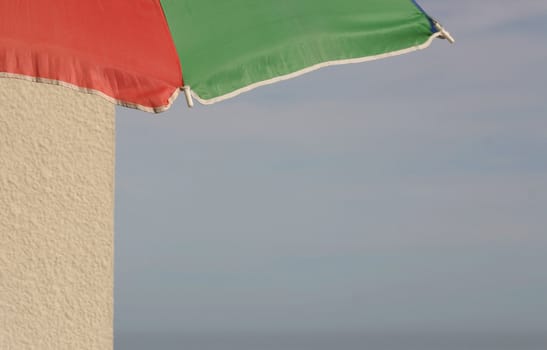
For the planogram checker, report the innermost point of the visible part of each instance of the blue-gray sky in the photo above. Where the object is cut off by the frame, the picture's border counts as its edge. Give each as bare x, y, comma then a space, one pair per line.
407, 194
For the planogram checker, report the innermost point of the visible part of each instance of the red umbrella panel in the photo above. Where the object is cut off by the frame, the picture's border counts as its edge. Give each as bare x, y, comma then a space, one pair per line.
125, 53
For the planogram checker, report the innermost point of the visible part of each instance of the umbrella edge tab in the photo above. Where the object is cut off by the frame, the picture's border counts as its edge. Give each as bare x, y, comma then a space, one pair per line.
188, 95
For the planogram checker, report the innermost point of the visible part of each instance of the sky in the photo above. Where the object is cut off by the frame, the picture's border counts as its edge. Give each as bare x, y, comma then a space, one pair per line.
402, 195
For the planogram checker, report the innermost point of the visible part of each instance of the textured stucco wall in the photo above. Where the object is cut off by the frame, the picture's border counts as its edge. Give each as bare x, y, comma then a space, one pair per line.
56, 218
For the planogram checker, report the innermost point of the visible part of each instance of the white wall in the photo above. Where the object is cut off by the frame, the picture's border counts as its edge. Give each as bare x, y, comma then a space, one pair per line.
56, 218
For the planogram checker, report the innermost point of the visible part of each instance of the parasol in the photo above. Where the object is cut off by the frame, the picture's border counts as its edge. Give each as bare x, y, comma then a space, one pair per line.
141, 53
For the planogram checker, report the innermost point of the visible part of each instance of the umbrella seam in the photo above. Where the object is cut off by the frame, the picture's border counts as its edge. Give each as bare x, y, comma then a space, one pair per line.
173, 46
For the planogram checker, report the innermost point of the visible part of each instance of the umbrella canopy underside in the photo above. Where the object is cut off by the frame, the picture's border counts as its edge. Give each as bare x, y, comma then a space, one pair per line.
140, 53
